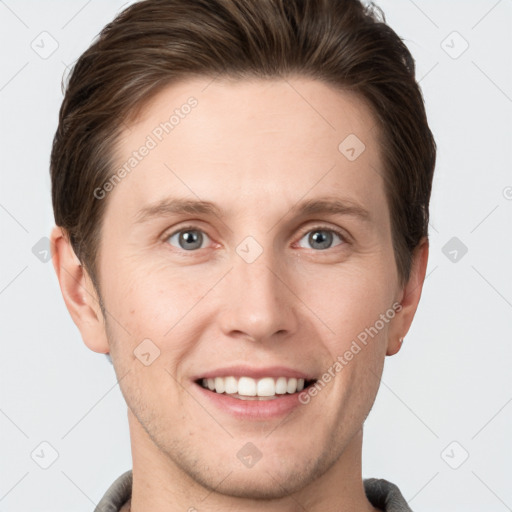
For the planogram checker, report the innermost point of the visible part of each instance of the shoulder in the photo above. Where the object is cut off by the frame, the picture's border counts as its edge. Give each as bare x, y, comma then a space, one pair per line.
117, 494
385, 495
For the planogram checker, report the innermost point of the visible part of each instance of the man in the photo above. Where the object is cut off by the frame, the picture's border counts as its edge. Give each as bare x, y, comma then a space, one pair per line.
286, 144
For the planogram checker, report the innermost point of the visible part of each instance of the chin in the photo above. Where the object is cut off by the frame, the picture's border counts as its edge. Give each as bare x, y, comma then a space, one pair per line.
252, 485
270, 478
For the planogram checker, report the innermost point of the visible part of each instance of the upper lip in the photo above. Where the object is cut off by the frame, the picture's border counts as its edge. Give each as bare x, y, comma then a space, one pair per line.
255, 373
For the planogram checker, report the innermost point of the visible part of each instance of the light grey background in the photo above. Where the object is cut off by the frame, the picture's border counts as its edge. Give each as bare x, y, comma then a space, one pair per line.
445, 396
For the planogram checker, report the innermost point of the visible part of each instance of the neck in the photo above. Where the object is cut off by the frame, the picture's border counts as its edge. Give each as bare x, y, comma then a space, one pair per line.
160, 485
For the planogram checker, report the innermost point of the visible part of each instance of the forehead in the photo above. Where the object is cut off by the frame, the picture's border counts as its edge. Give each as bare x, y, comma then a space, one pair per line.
245, 142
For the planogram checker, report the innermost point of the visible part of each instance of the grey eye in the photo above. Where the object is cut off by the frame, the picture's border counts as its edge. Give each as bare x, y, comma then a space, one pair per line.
321, 238
187, 239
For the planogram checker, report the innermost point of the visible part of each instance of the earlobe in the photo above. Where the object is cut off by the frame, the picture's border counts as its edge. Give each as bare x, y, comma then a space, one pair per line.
78, 292
409, 298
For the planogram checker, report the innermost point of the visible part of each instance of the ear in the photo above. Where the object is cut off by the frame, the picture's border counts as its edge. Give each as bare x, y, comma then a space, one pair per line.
409, 298
78, 292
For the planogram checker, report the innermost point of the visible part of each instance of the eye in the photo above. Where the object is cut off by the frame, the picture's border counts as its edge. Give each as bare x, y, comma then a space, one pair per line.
321, 238
187, 239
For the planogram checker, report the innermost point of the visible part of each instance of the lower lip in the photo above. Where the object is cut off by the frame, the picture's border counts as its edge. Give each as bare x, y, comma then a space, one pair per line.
252, 409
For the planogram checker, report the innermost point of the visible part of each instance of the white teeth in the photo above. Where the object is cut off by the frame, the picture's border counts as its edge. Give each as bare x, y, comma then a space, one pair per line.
281, 386
292, 385
266, 387
231, 385
247, 386
219, 385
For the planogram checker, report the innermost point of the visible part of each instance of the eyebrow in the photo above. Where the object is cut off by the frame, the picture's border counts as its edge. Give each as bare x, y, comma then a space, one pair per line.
324, 205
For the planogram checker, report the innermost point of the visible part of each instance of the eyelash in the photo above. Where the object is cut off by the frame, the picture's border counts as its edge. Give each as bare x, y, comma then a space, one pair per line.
342, 236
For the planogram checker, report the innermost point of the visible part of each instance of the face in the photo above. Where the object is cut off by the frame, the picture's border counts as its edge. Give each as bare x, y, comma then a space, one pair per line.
245, 250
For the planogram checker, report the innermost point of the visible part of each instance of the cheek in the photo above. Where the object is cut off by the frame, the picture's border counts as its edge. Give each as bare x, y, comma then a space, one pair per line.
151, 304
360, 381
146, 300
351, 303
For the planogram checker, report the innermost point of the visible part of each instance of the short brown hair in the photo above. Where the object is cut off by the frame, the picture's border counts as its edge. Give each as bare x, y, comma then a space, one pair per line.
154, 43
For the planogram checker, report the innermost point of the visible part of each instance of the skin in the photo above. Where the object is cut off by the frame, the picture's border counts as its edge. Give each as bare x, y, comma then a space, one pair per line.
255, 148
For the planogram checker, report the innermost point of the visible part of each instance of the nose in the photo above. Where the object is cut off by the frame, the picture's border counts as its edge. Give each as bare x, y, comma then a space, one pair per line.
258, 302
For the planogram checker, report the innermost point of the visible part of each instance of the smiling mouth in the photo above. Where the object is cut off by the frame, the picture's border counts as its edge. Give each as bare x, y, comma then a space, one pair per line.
247, 388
